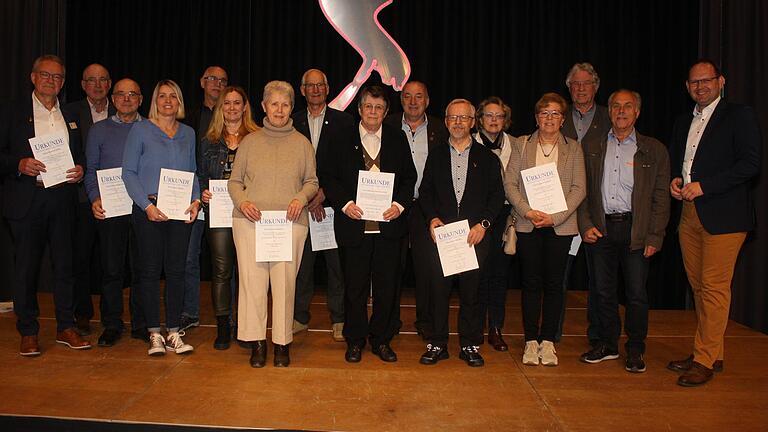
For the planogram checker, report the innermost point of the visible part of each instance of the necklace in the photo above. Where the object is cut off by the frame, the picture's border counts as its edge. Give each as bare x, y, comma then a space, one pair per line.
541, 146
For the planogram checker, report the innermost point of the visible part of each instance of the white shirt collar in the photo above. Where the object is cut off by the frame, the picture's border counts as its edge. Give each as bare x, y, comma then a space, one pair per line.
364, 131
36, 103
707, 111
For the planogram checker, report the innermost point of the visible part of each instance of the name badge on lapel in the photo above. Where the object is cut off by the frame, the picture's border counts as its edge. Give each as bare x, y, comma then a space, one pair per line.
72, 125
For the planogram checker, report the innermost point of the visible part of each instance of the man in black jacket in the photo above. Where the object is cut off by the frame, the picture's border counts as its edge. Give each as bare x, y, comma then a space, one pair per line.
462, 180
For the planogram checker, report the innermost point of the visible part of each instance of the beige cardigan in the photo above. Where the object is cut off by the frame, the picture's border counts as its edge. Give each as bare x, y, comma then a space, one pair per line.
273, 166
570, 168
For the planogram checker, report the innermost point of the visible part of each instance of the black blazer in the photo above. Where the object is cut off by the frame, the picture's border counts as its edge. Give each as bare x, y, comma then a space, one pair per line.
727, 159
81, 112
338, 176
598, 129
336, 126
483, 194
16, 128
437, 133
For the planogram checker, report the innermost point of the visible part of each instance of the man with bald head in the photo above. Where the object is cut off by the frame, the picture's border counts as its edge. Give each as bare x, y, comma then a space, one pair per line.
96, 83
323, 126
212, 82
106, 142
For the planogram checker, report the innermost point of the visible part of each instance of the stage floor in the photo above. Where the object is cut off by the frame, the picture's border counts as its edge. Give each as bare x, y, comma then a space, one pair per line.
320, 391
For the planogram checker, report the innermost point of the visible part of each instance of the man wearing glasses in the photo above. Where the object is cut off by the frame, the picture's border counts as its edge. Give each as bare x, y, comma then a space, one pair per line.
588, 123
106, 142
94, 108
462, 181
369, 250
38, 215
323, 126
212, 82
715, 156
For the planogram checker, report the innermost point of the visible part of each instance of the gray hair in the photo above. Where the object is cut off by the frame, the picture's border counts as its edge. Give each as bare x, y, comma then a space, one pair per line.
278, 87
304, 77
634, 94
460, 101
49, 57
586, 67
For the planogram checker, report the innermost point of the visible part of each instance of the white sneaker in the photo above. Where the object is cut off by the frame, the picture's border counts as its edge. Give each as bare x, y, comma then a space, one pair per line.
338, 332
156, 345
299, 327
547, 353
531, 354
175, 344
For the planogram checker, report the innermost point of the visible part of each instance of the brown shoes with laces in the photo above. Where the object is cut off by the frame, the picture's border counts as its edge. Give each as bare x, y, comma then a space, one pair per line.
70, 338
29, 346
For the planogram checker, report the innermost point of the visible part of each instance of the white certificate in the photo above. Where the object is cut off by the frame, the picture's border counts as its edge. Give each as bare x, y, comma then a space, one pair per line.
321, 233
456, 255
174, 193
53, 151
543, 188
374, 194
575, 243
274, 235
114, 198
220, 206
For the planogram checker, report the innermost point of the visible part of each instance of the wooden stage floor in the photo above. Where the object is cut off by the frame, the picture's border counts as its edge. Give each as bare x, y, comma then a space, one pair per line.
320, 391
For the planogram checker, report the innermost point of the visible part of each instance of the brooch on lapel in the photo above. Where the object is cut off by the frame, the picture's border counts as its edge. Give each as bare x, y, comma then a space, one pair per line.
72, 125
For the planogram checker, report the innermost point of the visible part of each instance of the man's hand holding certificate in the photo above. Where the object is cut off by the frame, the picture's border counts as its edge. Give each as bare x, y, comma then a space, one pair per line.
374, 196
174, 194
321, 232
54, 160
457, 252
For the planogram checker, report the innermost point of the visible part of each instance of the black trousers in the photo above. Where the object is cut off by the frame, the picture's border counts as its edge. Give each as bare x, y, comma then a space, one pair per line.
51, 220
223, 263
161, 246
610, 254
374, 264
86, 269
305, 284
421, 251
470, 321
495, 275
114, 236
543, 255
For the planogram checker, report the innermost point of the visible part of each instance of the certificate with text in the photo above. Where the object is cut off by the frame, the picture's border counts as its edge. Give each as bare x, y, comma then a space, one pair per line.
274, 235
174, 193
456, 255
114, 197
321, 233
543, 188
374, 194
220, 206
53, 151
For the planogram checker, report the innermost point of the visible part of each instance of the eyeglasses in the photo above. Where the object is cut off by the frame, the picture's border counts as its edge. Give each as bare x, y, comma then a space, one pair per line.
553, 113
582, 83
491, 116
48, 75
91, 81
461, 118
374, 108
130, 94
318, 86
703, 81
212, 79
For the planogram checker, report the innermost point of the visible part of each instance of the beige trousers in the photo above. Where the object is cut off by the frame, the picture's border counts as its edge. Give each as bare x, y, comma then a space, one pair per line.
709, 260
256, 279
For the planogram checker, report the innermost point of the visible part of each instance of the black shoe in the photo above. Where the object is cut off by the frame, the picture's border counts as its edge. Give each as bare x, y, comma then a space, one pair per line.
385, 353
186, 322
140, 333
635, 363
109, 337
433, 355
258, 353
223, 333
471, 355
354, 353
82, 326
282, 356
598, 354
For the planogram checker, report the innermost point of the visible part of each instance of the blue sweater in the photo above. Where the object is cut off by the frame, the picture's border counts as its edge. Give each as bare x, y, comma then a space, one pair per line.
106, 143
147, 150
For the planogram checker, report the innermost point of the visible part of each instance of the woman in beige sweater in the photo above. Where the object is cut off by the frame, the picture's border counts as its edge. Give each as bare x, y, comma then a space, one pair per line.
274, 171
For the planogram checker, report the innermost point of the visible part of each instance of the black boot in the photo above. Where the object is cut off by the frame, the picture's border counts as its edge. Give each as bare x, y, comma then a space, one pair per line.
259, 353
223, 335
282, 356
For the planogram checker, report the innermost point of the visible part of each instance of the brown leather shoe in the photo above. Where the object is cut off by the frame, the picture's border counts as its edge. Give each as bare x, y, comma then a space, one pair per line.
495, 340
697, 375
70, 338
685, 365
29, 346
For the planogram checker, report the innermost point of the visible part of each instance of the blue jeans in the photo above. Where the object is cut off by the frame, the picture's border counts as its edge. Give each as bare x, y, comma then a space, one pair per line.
191, 306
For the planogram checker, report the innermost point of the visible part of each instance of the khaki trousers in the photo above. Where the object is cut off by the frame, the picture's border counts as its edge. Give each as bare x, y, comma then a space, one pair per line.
709, 260
256, 279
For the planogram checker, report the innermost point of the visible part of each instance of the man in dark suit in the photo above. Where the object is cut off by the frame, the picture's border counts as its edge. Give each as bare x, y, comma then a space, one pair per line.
323, 126
588, 123
369, 250
424, 133
38, 215
462, 180
715, 156
94, 108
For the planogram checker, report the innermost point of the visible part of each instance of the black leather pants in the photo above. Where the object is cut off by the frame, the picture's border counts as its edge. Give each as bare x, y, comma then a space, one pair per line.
223, 260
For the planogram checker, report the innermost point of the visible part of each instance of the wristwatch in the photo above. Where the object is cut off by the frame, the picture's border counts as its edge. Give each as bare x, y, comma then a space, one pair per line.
485, 224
